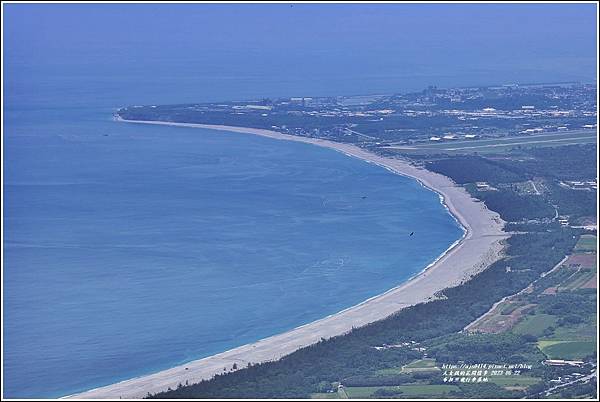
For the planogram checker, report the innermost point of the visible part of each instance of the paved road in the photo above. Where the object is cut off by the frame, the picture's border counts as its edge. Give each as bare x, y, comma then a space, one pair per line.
549, 391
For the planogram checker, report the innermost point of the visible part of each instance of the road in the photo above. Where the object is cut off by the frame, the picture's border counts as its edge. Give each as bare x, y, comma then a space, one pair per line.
549, 391
480, 318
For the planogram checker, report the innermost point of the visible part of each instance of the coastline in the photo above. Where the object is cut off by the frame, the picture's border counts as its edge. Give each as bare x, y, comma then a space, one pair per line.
480, 245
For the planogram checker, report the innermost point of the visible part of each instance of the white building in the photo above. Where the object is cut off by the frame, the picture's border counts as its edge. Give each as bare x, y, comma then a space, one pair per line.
556, 362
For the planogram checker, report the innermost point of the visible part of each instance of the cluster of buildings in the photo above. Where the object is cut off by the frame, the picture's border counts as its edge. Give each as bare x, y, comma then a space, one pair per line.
589, 185
435, 115
412, 345
484, 186
450, 137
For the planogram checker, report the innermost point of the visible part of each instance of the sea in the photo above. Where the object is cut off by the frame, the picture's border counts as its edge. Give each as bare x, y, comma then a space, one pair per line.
128, 249
133, 248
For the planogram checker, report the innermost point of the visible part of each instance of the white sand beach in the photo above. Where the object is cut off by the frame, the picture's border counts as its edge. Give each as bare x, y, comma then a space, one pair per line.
481, 245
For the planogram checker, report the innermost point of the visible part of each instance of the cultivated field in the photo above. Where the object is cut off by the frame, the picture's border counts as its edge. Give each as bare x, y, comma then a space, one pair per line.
535, 324
403, 390
567, 349
514, 380
586, 243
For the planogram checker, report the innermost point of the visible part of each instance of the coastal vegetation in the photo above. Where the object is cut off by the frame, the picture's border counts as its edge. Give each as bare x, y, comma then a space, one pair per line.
435, 327
497, 180
382, 359
470, 169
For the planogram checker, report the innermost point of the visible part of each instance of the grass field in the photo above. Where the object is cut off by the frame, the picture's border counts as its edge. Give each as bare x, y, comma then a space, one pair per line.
324, 395
407, 390
586, 243
567, 349
509, 308
503, 144
390, 371
582, 332
420, 365
535, 324
417, 365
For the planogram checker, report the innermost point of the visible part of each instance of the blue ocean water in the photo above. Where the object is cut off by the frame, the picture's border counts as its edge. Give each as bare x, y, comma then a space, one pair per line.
129, 249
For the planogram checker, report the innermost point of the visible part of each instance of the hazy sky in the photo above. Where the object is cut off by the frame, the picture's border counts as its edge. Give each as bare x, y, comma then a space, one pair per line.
463, 42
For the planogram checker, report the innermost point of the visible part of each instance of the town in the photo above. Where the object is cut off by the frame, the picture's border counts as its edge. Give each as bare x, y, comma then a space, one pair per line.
564, 113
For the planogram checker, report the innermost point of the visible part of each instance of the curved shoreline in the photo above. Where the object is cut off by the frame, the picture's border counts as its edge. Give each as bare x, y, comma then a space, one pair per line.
480, 245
